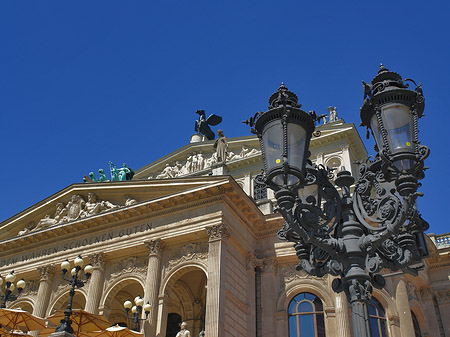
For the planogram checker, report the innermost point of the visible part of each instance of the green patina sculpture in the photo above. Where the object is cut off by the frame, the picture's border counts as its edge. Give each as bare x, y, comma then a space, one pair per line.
117, 174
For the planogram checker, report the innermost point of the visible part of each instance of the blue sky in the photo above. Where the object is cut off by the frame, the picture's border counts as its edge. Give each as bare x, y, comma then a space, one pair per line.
82, 83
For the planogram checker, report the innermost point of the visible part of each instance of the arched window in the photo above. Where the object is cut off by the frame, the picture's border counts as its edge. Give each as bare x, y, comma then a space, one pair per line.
416, 325
377, 318
306, 317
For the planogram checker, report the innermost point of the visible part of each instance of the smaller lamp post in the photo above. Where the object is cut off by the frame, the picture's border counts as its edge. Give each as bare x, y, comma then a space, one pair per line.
9, 288
74, 281
136, 310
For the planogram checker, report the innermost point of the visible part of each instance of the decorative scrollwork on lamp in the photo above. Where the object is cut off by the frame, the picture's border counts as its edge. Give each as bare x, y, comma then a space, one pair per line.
350, 235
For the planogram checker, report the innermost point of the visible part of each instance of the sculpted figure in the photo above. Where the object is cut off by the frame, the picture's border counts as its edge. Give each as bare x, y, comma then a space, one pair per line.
176, 169
60, 213
74, 208
203, 123
94, 206
333, 113
114, 172
221, 147
184, 332
211, 160
28, 228
194, 167
187, 168
166, 173
129, 201
102, 175
246, 152
45, 222
200, 161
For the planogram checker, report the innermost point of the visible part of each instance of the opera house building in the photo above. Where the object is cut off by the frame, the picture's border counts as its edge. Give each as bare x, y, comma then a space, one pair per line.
198, 241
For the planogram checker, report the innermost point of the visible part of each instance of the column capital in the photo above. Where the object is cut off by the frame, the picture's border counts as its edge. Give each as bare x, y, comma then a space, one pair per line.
46, 272
269, 264
154, 246
218, 232
98, 260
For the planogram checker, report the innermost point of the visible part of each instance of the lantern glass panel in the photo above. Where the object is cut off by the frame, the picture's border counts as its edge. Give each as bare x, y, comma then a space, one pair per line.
272, 138
397, 121
296, 140
376, 131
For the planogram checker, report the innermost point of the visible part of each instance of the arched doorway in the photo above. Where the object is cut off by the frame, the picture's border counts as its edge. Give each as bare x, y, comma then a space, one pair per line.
124, 290
186, 292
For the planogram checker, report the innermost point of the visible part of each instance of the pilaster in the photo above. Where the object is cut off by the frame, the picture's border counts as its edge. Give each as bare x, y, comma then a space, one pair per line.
269, 314
215, 297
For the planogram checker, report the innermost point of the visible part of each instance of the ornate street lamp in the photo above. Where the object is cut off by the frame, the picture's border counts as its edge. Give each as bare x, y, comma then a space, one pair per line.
354, 235
136, 310
9, 287
74, 281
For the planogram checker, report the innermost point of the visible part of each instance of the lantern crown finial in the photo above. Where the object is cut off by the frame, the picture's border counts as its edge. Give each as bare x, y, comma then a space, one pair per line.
283, 97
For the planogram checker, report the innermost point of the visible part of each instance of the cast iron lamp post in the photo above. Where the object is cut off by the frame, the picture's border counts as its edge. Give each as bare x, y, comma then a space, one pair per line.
355, 235
66, 323
136, 310
9, 288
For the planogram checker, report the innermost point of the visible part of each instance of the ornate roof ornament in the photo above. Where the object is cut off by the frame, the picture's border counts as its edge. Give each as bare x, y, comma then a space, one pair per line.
283, 96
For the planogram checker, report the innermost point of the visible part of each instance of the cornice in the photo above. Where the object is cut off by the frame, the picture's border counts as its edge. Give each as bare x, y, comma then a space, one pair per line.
148, 210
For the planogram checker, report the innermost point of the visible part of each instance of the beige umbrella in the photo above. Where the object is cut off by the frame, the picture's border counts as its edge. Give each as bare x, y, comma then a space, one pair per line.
48, 331
20, 319
116, 331
82, 321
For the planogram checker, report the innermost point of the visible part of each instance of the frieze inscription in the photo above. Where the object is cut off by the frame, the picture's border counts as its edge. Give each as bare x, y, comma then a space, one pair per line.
77, 243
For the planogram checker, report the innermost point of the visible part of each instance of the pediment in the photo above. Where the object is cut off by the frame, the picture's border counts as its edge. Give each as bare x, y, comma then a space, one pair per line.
199, 158
87, 200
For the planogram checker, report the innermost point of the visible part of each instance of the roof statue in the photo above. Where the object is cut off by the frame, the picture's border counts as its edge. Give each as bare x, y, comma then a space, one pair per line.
202, 124
117, 174
333, 114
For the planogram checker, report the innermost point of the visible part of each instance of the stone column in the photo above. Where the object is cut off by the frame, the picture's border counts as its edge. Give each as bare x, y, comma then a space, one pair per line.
404, 310
95, 283
43, 294
153, 281
342, 316
215, 296
44, 291
269, 297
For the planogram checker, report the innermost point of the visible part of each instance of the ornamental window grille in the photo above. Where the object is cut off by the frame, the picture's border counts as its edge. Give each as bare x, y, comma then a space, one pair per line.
377, 318
306, 316
259, 191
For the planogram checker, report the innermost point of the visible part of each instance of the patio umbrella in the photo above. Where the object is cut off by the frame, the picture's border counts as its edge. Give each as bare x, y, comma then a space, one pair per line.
20, 319
82, 321
48, 331
116, 331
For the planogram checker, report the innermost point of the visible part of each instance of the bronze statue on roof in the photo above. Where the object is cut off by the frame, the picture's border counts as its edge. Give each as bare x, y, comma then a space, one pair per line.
202, 124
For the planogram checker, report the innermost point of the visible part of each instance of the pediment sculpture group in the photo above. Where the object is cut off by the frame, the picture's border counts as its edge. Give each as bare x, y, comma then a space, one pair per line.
76, 208
197, 161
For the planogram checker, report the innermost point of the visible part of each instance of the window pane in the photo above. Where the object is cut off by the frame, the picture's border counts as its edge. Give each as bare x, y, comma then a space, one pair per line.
293, 329
307, 328
320, 325
305, 307
374, 327
318, 304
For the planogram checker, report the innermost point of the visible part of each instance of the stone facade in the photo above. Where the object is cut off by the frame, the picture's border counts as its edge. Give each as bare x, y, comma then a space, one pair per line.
202, 248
